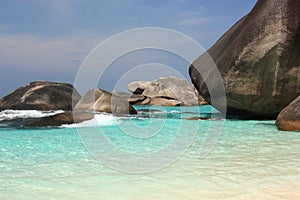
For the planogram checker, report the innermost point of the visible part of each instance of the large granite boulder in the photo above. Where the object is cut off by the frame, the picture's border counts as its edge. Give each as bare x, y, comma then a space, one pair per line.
289, 118
165, 91
103, 101
259, 60
41, 95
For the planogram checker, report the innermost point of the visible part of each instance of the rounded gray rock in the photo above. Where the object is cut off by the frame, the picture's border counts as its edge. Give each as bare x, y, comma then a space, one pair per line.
103, 101
289, 118
41, 95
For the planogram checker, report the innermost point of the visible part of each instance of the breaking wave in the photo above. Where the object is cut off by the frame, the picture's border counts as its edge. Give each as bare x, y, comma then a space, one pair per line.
7, 115
98, 120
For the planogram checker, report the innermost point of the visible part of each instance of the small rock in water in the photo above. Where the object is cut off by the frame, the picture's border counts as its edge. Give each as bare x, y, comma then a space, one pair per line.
289, 118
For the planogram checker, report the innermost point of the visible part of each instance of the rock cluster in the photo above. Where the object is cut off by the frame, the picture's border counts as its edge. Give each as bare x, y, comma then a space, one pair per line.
47, 96
258, 60
165, 91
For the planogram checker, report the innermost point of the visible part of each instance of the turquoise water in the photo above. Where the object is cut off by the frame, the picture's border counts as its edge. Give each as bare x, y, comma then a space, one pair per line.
248, 160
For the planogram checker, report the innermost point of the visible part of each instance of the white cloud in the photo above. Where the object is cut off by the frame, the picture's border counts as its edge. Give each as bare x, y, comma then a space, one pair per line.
193, 21
191, 18
61, 9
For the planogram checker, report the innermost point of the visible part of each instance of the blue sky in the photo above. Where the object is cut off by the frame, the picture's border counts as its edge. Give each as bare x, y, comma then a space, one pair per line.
48, 39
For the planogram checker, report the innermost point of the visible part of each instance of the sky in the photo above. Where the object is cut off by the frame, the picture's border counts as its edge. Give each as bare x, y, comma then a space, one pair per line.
49, 39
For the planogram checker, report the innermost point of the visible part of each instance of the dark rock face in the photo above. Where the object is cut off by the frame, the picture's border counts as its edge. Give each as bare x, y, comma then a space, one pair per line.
60, 119
41, 95
162, 101
138, 87
165, 91
131, 98
259, 60
103, 101
136, 98
55, 120
289, 118
198, 118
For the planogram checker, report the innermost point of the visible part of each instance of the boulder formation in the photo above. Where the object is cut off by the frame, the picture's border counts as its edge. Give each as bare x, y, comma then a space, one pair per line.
289, 118
41, 95
258, 59
102, 101
165, 91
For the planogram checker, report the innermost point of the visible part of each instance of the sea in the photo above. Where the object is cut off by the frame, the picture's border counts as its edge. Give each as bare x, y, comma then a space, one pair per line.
158, 154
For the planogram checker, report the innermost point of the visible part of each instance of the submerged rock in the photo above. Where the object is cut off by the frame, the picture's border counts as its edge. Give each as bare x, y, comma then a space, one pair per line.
198, 118
166, 91
60, 119
55, 120
289, 118
103, 101
41, 95
259, 60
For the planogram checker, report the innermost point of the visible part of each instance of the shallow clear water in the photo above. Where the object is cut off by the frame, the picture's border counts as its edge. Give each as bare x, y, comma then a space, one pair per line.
250, 160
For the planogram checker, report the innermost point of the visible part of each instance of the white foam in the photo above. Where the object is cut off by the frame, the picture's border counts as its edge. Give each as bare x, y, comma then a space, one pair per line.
21, 114
175, 111
98, 120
